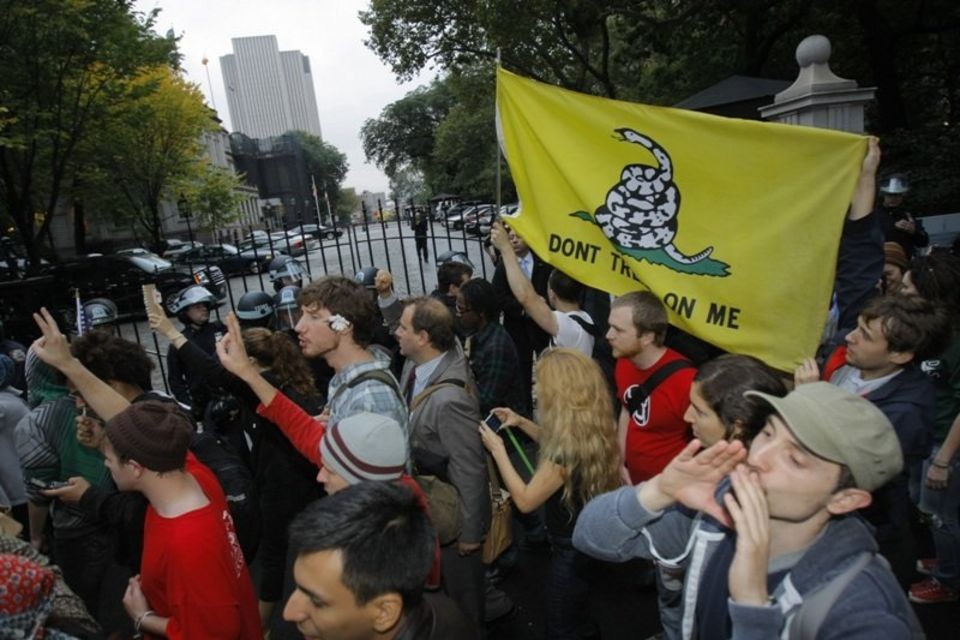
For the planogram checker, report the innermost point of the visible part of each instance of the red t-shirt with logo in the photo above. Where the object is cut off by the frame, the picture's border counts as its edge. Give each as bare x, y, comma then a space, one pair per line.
656, 432
193, 571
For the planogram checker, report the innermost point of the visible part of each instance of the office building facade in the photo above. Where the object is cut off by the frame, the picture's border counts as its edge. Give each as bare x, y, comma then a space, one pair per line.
269, 92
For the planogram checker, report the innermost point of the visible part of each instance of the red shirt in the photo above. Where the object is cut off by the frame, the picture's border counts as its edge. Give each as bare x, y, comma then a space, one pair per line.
657, 431
193, 571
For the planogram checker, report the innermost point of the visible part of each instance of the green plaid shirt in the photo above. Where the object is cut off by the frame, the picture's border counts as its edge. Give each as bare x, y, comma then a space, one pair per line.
496, 368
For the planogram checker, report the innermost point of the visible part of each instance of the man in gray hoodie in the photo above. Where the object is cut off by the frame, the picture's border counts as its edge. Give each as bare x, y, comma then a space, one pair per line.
756, 556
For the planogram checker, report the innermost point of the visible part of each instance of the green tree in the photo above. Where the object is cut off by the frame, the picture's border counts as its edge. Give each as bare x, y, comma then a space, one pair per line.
408, 184
348, 202
212, 194
326, 164
151, 148
60, 66
440, 138
403, 137
661, 51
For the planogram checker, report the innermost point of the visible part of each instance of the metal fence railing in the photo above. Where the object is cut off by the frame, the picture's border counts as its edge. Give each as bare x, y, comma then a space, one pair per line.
340, 249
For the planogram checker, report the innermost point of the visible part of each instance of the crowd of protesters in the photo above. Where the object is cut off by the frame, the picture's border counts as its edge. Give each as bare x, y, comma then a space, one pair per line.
347, 448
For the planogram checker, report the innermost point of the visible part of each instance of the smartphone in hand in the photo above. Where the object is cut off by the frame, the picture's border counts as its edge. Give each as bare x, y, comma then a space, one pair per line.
46, 486
493, 422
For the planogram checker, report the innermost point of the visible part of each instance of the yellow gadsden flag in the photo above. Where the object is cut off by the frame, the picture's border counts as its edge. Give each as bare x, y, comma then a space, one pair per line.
734, 224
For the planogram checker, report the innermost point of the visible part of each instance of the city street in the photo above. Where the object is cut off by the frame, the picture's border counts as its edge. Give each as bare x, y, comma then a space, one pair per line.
378, 245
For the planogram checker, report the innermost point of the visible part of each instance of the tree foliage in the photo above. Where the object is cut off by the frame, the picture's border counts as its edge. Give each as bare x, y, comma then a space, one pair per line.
659, 52
348, 202
212, 195
150, 150
325, 163
404, 135
61, 63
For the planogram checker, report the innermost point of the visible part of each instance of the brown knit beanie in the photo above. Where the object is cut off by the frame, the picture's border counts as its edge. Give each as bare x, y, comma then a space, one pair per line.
155, 434
894, 254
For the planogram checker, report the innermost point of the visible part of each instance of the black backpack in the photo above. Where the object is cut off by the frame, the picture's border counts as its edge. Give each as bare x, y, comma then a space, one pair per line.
236, 480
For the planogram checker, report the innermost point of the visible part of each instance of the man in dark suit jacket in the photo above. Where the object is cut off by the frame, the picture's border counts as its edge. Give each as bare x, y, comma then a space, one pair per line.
527, 336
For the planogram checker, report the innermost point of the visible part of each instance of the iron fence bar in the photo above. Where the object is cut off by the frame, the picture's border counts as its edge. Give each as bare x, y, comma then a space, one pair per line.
483, 257
226, 279
366, 230
433, 236
337, 240
403, 249
256, 256
413, 219
306, 249
350, 241
323, 250
383, 233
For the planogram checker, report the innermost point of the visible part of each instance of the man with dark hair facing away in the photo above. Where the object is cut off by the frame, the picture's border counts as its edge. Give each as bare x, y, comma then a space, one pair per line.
363, 555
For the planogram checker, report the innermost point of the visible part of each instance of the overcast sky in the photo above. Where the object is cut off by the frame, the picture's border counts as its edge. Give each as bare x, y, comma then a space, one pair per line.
351, 83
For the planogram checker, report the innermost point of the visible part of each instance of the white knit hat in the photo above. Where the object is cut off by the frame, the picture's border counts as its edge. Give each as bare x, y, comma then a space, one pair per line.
365, 446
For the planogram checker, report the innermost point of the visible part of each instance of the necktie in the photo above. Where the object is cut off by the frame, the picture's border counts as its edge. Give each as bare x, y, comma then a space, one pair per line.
411, 383
526, 266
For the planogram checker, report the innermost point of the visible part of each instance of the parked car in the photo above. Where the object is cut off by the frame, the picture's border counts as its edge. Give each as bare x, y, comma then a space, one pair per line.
13, 260
230, 259
294, 243
177, 247
478, 221
456, 212
318, 231
120, 276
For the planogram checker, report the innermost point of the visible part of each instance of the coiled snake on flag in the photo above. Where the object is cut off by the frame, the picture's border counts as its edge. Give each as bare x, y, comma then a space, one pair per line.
640, 213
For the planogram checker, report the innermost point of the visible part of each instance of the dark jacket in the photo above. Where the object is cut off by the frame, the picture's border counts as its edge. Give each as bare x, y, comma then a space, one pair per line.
859, 269
908, 401
887, 219
527, 336
436, 617
187, 385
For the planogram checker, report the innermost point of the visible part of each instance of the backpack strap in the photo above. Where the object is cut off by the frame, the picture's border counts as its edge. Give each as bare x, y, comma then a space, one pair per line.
661, 375
587, 325
436, 386
813, 610
373, 374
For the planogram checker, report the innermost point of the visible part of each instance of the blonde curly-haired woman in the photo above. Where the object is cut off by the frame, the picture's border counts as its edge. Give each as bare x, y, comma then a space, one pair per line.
578, 460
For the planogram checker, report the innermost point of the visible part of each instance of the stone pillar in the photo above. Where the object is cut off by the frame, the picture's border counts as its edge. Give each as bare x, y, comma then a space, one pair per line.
818, 97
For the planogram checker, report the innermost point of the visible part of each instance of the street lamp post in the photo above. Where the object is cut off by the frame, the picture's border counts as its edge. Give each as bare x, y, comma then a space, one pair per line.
184, 207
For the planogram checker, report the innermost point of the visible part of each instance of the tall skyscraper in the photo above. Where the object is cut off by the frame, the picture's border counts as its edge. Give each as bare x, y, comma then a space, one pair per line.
269, 92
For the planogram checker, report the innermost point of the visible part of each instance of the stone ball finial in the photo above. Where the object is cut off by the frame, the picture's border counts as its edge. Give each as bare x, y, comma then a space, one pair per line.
813, 50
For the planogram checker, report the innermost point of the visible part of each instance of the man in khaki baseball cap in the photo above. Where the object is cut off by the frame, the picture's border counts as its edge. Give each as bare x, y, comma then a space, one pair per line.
841, 427
787, 529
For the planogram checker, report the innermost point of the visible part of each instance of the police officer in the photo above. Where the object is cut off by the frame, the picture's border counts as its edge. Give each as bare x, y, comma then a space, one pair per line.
897, 223
192, 307
284, 272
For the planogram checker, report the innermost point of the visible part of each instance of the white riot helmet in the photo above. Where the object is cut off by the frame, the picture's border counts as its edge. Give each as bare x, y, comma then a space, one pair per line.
189, 296
285, 271
895, 185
